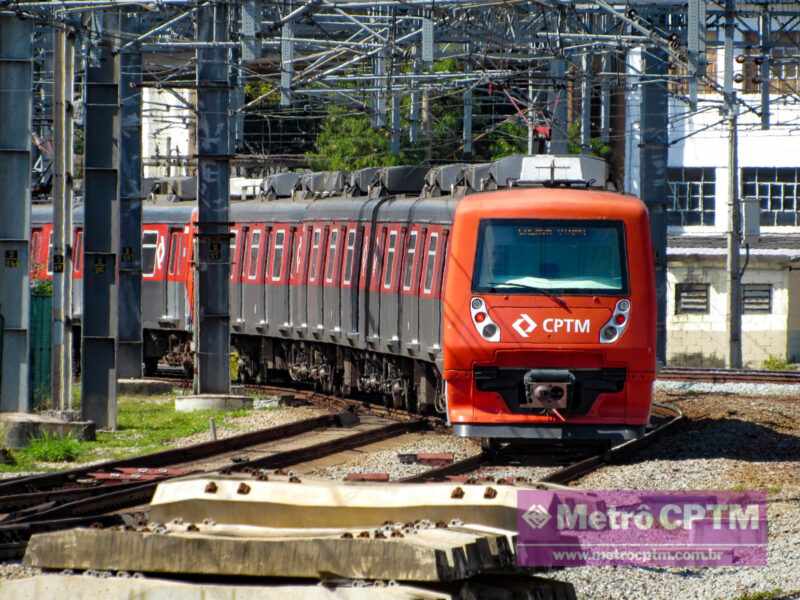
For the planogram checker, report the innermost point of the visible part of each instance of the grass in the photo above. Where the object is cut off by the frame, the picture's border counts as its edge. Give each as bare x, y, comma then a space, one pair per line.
144, 425
775, 363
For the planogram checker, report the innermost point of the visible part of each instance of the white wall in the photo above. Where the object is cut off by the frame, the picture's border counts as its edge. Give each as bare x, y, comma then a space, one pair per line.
167, 124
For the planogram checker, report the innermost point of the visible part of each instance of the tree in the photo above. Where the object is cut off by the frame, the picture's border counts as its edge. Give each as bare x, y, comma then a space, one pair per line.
347, 142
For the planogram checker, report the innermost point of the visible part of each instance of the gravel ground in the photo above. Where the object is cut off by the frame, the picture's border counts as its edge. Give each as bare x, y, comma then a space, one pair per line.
740, 388
16, 570
386, 461
728, 443
253, 420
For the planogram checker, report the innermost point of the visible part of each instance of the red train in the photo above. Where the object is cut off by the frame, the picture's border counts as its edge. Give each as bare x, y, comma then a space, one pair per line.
521, 313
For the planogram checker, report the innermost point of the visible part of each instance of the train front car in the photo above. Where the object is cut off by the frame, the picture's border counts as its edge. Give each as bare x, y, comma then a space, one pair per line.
549, 314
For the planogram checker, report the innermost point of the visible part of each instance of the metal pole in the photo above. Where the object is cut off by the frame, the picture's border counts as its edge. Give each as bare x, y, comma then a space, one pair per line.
558, 107
101, 236
130, 204
16, 102
653, 187
69, 162
60, 234
734, 358
212, 334
765, 27
586, 103
467, 125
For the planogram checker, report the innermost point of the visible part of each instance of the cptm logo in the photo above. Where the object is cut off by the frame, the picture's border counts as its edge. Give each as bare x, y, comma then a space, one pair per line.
524, 325
536, 516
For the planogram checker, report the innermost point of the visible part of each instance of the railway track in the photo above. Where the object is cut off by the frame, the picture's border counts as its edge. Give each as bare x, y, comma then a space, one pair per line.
73, 498
729, 375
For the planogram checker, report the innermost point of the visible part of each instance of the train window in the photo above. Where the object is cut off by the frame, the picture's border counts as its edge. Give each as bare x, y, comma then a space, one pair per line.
349, 256
389, 272
408, 268
174, 252
277, 255
330, 269
433, 243
255, 244
312, 275
77, 251
50, 255
691, 298
298, 256
149, 244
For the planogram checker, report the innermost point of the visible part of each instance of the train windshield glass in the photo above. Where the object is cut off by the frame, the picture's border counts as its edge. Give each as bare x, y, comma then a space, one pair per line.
552, 256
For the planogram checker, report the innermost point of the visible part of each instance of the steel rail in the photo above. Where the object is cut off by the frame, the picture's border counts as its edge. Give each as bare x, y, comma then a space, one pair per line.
48, 481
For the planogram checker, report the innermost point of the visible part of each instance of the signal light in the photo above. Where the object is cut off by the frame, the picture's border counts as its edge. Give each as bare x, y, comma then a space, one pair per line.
616, 325
609, 333
490, 330
480, 317
477, 303
619, 319
482, 320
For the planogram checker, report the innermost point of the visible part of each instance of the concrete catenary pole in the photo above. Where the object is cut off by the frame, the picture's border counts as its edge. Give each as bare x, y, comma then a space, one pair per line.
212, 333
69, 162
60, 235
130, 203
16, 101
733, 283
101, 235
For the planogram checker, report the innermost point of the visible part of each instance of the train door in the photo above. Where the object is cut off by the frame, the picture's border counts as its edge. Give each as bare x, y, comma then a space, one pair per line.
315, 277
430, 286
173, 290
276, 278
237, 243
331, 291
350, 270
409, 289
388, 284
253, 286
153, 296
298, 288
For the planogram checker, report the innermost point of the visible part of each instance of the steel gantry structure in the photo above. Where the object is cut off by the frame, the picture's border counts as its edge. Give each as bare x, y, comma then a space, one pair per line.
548, 64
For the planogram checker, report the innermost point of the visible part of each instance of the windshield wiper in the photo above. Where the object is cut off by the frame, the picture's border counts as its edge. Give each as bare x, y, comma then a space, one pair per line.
496, 286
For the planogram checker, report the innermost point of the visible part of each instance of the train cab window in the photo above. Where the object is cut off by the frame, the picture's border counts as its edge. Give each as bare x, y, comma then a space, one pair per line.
149, 245
433, 245
390, 252
50, 255
554, 255
349, 256
277, 255
174, 252
408, 267
330, 269
312, 274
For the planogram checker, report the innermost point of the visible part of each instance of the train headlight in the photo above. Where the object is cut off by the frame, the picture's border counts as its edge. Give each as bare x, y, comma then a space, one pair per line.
611, 331
482, 320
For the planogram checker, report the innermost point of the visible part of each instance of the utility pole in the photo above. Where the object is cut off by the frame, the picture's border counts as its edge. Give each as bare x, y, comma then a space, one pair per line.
16, 105
101, 235
212, 316
69, 167
734, 358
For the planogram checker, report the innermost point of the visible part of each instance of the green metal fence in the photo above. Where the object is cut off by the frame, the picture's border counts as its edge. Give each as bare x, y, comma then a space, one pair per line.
41, 342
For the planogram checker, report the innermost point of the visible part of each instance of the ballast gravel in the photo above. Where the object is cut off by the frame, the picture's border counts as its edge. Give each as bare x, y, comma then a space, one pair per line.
728, 443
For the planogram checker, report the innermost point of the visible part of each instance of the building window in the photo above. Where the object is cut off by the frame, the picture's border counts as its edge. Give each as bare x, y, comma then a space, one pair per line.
692, 191
691, 298
784, 71
776, 190
757, 298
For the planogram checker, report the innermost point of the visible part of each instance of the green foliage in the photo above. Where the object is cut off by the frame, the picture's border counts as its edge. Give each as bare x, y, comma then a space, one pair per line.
53, 448
596, 145
256, 89
509, 138
42, 287
348, 142
776, 363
